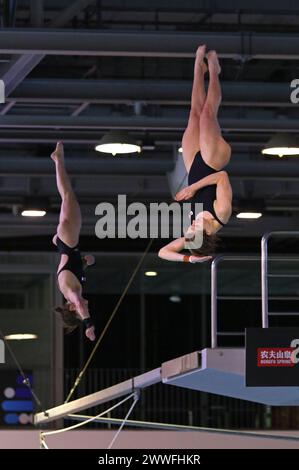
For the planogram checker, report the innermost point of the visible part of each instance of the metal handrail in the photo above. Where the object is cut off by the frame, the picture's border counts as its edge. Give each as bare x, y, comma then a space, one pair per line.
214, 297
264, 270
214, 267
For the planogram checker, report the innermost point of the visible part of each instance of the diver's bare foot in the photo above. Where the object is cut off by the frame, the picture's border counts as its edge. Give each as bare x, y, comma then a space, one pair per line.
90, 333
58, 154
200, 54
213, 62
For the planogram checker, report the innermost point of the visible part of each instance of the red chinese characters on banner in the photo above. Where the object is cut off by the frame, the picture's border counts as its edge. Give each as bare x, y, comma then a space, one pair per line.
274, 357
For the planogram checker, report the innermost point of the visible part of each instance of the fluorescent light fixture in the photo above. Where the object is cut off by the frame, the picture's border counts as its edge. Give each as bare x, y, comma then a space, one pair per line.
34, 206
250, 208
282, 144
249, 215
175, 299
148, 144
116, 142
151, 273
33, 213
20, 336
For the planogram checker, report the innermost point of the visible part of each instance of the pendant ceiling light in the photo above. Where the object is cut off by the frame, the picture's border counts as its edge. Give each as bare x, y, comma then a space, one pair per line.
250, 208
117, 142
34, 206
282, 144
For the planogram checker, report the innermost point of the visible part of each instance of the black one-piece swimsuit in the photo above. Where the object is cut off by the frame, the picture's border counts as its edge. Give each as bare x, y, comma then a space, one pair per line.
74, 262
206, 195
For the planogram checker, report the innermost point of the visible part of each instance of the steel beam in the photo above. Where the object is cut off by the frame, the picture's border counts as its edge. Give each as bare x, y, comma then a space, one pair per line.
17, 69
86, 167
192, 6
148, 43
20, 66
68, 13
153, 91
46, 136
129, 169
6, 107
201, 6
143, 123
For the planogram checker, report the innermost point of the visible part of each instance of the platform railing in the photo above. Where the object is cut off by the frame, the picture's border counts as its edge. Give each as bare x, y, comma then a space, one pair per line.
214, 295
264, 270
264, 258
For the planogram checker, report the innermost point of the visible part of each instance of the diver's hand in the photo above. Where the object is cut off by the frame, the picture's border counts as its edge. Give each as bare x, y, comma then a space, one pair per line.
88, 260
186, 193
199, 259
